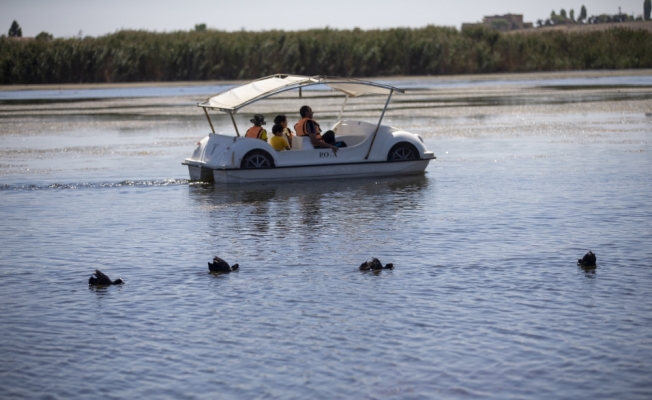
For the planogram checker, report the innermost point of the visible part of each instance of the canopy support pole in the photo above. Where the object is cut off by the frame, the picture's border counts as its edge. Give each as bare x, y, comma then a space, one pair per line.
339, 117
379, 121
234, 125
209, 119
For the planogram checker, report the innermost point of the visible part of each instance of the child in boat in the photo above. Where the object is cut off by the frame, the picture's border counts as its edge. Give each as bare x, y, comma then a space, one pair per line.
257, 131
281, 120
278, 141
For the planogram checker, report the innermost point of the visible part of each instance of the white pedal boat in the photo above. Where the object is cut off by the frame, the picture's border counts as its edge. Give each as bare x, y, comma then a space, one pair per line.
373, 149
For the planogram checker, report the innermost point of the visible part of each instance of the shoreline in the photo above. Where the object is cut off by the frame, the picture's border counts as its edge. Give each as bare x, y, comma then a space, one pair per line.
509, 76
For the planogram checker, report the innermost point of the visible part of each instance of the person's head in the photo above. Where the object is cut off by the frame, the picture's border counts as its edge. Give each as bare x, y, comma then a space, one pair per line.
258, 120
277, 130
305, 112
280, 119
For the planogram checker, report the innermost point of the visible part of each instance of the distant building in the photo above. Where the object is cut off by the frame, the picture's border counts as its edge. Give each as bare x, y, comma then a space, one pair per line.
507, 22
514, 21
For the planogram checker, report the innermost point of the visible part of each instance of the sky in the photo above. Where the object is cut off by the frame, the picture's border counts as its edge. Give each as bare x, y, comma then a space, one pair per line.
66, 18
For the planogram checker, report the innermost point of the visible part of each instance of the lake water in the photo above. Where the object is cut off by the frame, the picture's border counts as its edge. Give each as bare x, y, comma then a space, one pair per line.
486, 300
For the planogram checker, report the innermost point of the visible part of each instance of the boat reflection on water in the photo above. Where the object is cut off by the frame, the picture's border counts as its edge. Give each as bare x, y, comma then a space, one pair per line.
308, 208
220, 195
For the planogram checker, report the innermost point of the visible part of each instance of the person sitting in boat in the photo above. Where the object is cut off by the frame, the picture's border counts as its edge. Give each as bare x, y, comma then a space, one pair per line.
281, 120
309, 127
257, 131
278, 141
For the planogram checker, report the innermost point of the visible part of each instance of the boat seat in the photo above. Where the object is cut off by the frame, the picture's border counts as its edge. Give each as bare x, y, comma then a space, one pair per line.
301, 143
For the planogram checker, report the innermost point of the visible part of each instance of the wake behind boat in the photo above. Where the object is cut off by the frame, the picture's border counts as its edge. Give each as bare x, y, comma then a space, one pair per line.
373, 149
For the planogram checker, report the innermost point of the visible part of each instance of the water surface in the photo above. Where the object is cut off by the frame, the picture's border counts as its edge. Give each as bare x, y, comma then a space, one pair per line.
485, 301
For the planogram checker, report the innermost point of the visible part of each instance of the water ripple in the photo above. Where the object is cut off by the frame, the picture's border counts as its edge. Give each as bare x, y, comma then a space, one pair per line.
94, 185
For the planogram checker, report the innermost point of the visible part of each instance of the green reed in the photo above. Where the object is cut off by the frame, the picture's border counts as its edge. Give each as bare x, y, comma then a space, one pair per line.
138, 56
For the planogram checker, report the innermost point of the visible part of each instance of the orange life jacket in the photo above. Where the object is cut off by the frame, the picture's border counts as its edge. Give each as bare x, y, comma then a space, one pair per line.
254, 132
300, 128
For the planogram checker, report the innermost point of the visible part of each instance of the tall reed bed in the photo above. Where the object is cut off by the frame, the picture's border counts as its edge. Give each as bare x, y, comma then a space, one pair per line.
137, 56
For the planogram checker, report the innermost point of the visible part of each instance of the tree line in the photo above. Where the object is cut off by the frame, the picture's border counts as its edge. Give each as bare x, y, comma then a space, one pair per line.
139, 56
565, 19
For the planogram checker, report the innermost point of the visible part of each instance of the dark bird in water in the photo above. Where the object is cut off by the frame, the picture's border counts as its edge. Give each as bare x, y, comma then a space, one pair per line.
219, 265
99, 279
374, 265
588, 261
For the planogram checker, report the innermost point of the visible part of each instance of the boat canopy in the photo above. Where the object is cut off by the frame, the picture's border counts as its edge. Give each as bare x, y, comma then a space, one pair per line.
235, 98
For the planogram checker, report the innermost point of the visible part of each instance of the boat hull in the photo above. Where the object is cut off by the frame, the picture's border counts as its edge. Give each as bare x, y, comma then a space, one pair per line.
199, 173
327, 171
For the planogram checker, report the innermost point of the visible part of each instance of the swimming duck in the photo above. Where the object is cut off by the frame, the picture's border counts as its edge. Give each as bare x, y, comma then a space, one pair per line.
374, 265
219, 265
588, 261
99, 279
